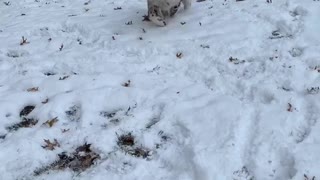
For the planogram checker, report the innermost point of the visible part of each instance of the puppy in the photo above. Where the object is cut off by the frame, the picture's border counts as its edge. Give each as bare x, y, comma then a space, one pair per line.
159, 10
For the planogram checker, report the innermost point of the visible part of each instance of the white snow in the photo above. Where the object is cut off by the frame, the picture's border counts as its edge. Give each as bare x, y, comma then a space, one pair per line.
242, 102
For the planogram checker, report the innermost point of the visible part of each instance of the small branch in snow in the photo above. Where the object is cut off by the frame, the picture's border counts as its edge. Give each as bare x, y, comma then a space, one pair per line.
205, 46
7, 3
290, 108
129, 23
61, 47
126, 84
63, 78
23, 41
179, 55
236, 60
117, 8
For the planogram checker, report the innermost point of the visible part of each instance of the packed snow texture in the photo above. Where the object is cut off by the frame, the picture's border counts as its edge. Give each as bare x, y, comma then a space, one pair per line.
228, 90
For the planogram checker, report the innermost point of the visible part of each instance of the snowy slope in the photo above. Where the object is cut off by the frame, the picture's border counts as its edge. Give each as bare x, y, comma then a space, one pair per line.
240, 102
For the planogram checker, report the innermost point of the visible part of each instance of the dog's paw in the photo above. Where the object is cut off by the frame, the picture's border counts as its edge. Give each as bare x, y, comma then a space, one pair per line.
157, 20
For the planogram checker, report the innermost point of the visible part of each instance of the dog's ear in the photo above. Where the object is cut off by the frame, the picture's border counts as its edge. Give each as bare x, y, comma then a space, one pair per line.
186, 4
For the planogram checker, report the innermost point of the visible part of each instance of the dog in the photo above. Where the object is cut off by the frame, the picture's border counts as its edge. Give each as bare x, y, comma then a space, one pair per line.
160, 10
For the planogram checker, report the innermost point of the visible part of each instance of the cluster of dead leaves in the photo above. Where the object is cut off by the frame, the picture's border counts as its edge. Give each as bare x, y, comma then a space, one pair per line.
79, 160
26, 122
126, 142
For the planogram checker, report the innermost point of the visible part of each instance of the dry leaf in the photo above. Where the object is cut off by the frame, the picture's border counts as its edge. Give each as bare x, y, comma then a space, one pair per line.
50, 145
51, 122
33, 89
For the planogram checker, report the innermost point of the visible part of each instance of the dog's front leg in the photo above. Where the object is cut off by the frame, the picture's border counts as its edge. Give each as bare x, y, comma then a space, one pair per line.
186, 4
155, 15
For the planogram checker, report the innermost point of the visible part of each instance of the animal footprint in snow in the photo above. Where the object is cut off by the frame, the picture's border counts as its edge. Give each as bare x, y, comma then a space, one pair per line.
74, 113
296, 52
242, 174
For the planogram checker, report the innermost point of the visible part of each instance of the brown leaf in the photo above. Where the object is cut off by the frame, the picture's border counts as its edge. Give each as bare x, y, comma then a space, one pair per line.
51, 122
50, 145
33, 89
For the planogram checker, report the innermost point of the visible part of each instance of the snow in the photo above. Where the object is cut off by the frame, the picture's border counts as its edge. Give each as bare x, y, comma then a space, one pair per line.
241, 103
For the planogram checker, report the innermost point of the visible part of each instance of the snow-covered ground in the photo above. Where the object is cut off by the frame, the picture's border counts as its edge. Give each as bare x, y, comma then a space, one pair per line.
227, 91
